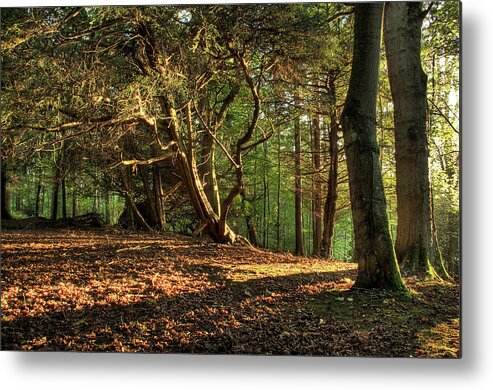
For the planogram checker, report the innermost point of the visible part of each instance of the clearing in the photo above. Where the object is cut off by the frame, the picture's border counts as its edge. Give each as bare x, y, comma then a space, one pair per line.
116, 290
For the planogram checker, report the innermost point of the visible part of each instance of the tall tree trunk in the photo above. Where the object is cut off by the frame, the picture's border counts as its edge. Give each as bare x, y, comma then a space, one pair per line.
107, 218
38, 199
374, 252
95, 203
158, 197
317, 189
278, 199
250, 220
18, 199
56, 186
413, 244
265, 183
64, 198
74, 203
5, 193
298, 190
332, 184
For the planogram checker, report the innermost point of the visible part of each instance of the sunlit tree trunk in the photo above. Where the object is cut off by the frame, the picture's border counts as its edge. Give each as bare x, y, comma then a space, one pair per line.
413, 244
374, 252
208, 172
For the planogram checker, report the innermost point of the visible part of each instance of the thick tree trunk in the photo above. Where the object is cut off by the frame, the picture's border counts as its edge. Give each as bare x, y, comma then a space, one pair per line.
4, 193
150, 198
217, 229
38, 199
298, 190
317, 189
413, 244
377, 264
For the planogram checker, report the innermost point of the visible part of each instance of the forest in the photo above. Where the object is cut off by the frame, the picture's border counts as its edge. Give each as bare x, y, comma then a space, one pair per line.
276, 179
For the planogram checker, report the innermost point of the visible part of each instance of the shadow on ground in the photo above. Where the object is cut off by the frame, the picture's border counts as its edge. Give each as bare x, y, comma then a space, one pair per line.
116, 291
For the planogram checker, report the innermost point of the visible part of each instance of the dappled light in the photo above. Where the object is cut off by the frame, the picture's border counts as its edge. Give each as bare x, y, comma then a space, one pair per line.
261, 178
164, 297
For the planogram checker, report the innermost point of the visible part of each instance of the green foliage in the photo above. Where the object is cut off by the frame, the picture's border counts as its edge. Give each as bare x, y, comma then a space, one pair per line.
91, 66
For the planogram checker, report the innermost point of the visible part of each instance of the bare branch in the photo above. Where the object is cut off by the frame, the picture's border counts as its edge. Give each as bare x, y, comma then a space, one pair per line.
150, 161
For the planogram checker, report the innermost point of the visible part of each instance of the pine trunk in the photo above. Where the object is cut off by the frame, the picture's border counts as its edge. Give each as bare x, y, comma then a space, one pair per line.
332, 184
64, 199
38, 199
317, 189
413, 244
374, 253
159, 198
298, 191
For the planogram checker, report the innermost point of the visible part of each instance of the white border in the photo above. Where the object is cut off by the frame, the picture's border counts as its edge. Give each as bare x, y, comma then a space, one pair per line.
121, 371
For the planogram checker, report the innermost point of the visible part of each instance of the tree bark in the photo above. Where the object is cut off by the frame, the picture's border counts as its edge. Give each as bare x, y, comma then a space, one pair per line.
298, 190
208, 172
64, 198
74, 203
217, 229
56, 186
159, 197
332, 184
5, 193
413, 244
317, 189
38, 199
250, 220
374, 253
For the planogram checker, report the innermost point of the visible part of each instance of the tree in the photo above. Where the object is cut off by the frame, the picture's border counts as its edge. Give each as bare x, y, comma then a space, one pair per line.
317, 188
298, 190
377, 264
408, 83
332, 182
4, 193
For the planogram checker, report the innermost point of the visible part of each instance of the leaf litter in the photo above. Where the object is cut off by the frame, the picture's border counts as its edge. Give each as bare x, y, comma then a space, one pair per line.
122, 291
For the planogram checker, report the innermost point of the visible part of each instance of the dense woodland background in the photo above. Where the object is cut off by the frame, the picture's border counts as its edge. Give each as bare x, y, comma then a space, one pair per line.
255, 94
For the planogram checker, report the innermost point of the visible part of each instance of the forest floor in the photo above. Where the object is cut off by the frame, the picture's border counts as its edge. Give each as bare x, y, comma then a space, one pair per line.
114, 290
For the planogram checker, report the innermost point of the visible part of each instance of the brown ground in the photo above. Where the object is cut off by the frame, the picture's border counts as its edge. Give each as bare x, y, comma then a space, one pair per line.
112, 290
